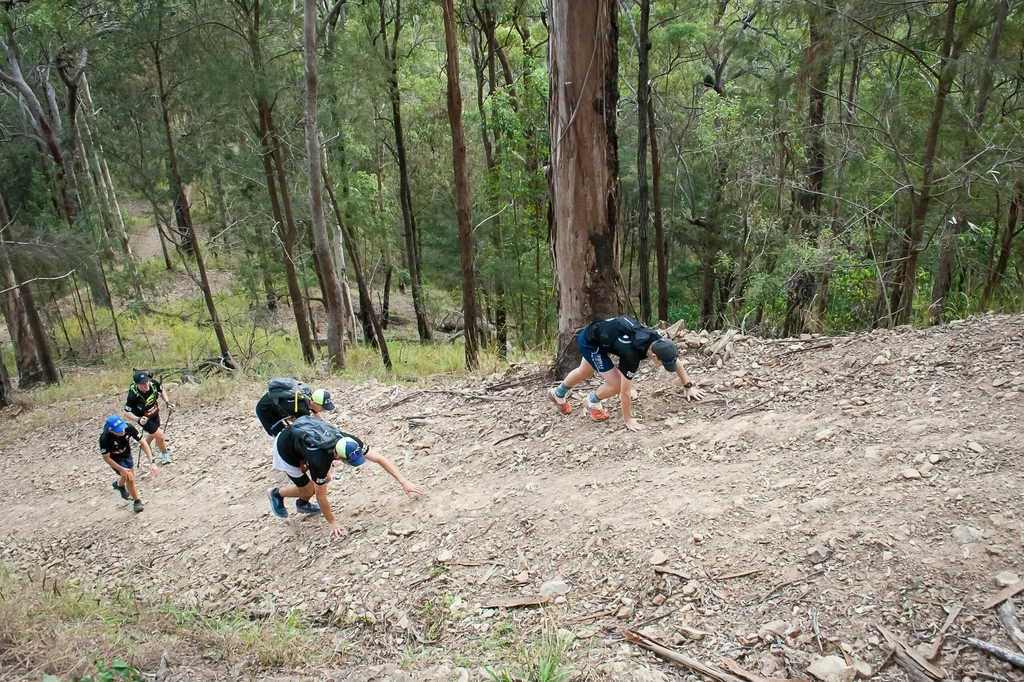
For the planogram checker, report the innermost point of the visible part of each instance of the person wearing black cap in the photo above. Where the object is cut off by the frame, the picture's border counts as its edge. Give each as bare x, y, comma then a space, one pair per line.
631, 342
142, 408
116, 448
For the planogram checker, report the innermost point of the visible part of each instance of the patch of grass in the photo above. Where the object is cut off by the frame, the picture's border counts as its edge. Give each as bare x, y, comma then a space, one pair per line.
542, 662
53, 627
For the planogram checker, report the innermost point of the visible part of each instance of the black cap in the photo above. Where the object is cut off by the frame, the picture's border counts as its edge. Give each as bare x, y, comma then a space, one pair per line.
666, 352
141, 376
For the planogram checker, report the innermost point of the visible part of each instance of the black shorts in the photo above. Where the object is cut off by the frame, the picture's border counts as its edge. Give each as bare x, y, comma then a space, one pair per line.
300, 481
126, 463
152, 424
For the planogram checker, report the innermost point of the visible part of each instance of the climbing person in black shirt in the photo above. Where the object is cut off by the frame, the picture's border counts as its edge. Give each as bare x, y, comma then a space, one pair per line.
301, 462
116, 448
142, 408
631, 342
279, 407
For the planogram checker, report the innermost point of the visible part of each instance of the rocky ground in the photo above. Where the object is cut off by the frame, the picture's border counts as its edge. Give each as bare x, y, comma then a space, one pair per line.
828, 494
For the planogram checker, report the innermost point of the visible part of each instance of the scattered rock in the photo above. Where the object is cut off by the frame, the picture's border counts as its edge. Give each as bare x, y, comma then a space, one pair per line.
863, 670
975, 447
658, 558
768, 631
832, 669
819, 554
813, 506
554, 588
912, 474
1007, 578
823, 435
444, 556
967, 534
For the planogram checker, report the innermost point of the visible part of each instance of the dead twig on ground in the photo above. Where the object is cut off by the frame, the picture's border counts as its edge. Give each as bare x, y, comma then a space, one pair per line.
954, 611
1008, 617
792, 582
997, 651
660, 649
1004, 594
520, 434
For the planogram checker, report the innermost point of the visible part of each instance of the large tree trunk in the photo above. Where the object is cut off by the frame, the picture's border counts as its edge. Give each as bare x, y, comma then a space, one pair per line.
660, 245
182, 207
30, 372
995, 279
6, 392
462, 210
902, 293
332, 287
583, 64
944, 273
643, 97
405, 191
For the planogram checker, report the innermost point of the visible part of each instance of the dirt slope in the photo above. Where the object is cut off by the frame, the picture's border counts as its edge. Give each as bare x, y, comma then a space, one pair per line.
863, 480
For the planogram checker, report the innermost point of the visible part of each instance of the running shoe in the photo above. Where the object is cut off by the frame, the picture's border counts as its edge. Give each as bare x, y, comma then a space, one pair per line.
137, 507
121, 489
561, 404
597, 411
277, 503
306, 507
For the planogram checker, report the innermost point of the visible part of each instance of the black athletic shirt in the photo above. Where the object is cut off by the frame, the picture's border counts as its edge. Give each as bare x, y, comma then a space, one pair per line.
119, 447
142, 404
317, 463
624, 337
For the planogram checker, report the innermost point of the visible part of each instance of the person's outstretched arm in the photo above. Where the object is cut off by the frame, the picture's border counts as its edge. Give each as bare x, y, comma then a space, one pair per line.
692, 393
409, 487
325, 509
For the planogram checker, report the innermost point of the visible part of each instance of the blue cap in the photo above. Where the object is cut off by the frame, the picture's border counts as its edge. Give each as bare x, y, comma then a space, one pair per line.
351, 451
115, 424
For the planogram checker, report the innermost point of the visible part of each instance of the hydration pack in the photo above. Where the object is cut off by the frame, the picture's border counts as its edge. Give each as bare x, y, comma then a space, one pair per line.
286, 398
317, 434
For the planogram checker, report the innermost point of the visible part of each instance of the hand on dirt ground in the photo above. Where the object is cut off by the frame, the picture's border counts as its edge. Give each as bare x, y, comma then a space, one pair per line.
337, 530
634, 425
413, 489
694, 394
154, 470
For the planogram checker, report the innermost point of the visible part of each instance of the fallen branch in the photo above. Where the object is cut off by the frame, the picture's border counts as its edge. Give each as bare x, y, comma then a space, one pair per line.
914, 672
913, 654
954, 611
1004, 594
514, 435
672, 571
515, 603
997, 651
741, 574
645, 642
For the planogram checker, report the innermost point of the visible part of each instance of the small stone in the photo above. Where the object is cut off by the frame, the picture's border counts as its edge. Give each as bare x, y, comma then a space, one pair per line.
975, 447
967, 534
658, 558
625, 612
873, 452
554, 588
1007, 578
926, 469
880, 360
996, 383
768, 631
832, 669
934, 459
698, 538
818, 504
523, 577
912, 474
786, 483
690, 588
823, 435
658, 600
863, 670
874, 641
819, 554
444, 556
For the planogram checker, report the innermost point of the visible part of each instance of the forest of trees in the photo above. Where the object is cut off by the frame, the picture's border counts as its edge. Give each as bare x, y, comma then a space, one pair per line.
783, 166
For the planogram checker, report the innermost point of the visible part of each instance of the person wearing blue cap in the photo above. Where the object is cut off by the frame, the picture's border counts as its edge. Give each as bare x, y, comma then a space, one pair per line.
116, 448
631, 342
309, 467
142, 407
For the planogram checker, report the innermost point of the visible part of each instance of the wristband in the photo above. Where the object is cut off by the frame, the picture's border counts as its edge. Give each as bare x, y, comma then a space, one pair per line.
688, 385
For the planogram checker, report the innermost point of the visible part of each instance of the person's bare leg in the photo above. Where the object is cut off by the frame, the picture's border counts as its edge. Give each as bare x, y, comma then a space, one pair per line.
132, 490
581, 373
305, 492
612, 383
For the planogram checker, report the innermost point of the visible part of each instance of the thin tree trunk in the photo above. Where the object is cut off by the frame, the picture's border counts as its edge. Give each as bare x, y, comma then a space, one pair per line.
904, 284
6, 392
376, 338
405, 191
643, 98
462, 212
660, 246
995, 279
182, 208
947, 260
113, 312
332, 287
583, 183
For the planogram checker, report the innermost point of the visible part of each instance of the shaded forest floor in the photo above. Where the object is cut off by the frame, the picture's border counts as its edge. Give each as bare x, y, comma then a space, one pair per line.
829, 484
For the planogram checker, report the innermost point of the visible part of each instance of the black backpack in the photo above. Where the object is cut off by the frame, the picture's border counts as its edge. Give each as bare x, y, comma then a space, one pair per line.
316, 434
286, 398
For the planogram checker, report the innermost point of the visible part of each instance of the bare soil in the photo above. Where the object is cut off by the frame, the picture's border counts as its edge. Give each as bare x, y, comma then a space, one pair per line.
829, 483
